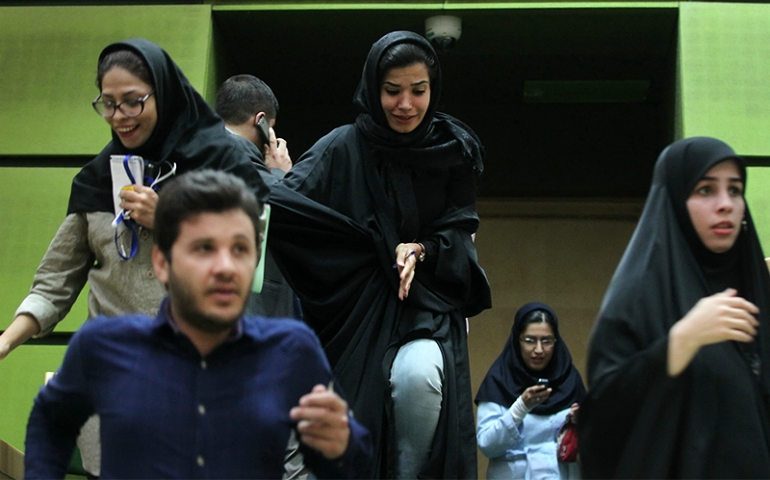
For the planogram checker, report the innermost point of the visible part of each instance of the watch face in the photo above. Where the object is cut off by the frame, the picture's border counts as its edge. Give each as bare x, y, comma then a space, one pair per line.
421, 257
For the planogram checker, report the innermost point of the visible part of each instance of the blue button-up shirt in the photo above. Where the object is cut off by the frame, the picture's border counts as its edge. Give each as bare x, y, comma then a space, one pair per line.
166, 412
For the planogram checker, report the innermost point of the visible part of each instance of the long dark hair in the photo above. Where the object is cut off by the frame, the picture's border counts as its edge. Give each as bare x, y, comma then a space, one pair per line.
128, 60
404, 55
537, 316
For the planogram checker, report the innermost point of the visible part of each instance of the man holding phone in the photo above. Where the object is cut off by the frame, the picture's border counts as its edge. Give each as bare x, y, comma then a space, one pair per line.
249, 109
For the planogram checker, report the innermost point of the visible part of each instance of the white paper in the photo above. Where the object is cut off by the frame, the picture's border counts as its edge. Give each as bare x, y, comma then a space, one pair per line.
120, 177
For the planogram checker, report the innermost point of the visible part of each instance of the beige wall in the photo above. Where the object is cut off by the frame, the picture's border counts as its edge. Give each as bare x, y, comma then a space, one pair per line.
559, 253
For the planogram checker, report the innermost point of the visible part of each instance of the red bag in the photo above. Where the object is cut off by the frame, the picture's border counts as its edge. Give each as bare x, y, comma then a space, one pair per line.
567, 443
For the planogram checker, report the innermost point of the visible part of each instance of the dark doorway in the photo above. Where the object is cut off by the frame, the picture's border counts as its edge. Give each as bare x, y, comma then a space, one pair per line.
570, 103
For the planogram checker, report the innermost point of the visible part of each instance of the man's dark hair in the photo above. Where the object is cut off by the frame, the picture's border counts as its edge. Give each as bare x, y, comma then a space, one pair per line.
201, 191
242, 96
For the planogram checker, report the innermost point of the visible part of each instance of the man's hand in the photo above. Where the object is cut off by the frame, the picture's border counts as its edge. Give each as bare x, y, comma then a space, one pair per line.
277, 153
322, 418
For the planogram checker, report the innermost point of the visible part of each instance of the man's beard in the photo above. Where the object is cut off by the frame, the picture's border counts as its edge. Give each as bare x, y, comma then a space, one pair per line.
186, 309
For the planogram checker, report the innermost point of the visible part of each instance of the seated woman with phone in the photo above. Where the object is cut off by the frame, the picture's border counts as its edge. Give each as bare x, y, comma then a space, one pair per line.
529, 393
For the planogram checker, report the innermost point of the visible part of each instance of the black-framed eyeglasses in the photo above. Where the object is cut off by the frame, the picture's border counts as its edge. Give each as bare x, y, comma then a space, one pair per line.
130, 108
546, 342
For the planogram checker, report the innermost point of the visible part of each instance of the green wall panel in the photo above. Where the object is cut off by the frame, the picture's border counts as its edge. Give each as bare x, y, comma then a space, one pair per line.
24, 370
758, 198
725, 73
724, 86
33, 203
48, 62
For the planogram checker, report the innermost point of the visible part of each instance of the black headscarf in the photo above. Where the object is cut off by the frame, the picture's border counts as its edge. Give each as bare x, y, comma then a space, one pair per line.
188, 132
339, 215
440, 138
636, 420
509, 376
440, 142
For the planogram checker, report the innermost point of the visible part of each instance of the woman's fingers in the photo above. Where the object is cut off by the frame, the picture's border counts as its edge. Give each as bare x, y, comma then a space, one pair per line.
720, 317
406, 260
140, 201
535, 395
407, 275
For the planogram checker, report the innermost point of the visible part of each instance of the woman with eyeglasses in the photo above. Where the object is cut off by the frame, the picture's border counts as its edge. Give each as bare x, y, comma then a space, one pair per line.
156, 114
529, 393
679, 358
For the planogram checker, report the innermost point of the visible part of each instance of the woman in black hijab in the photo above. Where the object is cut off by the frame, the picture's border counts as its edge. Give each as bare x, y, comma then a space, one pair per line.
679, 359
154, 113
529, 393
374, 227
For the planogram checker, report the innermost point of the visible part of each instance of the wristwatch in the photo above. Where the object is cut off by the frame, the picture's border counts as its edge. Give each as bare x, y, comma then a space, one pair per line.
422, 252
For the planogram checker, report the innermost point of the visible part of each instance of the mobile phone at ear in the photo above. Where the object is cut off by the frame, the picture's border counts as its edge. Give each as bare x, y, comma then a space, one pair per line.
264, 129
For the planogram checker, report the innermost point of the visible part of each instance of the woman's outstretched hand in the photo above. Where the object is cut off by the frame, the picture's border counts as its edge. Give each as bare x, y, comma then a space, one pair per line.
406, 260
720, 317
22, 328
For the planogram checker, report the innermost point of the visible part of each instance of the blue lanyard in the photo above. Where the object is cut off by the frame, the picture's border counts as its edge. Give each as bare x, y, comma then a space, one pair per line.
124, 216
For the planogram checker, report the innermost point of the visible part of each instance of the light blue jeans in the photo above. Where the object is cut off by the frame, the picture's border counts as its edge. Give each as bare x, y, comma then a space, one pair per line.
416, 380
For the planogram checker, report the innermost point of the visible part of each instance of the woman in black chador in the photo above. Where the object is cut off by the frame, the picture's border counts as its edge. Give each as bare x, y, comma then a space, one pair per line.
679, 360
374, 228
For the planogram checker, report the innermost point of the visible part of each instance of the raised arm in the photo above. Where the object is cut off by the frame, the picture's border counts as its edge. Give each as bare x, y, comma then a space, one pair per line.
721, 317
59, 278
326, 425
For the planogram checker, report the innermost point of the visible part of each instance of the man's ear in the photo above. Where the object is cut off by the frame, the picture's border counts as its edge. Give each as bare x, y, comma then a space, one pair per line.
270, 121
160, 264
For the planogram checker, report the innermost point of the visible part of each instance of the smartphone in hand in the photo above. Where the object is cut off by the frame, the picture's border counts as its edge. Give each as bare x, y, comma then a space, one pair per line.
264, 130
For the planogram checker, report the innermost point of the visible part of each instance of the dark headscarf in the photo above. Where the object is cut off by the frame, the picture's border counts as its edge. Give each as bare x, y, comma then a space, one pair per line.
439, 139
509, 376
348, 202
666, 263
438, 144
636, 420
188, 132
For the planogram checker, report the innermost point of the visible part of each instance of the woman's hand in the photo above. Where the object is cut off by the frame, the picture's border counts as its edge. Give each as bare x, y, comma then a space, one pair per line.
535, 395
22, 328
140, 201
406, 259
5, 348
718, 318
572, 415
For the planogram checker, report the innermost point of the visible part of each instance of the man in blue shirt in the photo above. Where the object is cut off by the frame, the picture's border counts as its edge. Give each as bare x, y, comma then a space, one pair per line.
198, 391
